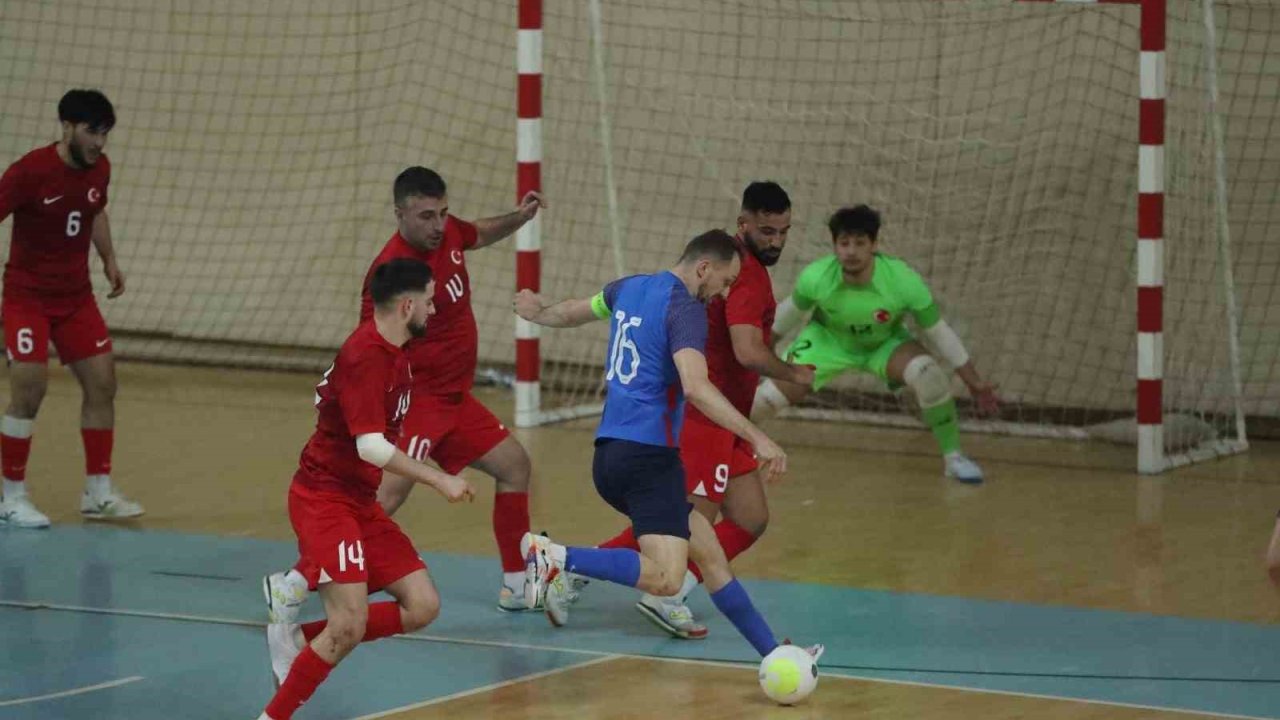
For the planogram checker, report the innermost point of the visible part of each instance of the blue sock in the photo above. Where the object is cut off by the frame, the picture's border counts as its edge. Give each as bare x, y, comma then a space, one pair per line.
617, 565
732, 600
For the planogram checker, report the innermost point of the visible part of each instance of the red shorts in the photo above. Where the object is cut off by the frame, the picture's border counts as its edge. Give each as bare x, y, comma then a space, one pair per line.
348, 540
711, 456
76, 329
453, 430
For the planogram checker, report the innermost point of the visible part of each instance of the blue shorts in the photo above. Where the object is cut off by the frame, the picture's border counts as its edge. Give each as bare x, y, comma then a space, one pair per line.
645, 483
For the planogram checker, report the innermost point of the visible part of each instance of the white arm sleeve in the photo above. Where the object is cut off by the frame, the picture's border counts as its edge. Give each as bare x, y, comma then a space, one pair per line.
788, 318
375, 449
943, 339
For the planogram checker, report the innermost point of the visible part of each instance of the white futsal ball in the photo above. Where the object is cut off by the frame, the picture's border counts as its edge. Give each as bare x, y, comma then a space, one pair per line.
788, 675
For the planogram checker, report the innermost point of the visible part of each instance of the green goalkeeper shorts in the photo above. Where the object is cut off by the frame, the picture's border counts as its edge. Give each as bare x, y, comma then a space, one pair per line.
818, 347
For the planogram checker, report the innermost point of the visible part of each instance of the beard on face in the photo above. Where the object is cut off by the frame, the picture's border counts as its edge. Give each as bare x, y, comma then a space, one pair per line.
78, 154
768, 256
417, 330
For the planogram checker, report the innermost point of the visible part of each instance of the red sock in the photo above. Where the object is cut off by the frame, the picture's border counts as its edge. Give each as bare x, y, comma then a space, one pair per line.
308, 671
624, 539
733, 540
510, 523
310, 573
97, 450
384, 621
13, 457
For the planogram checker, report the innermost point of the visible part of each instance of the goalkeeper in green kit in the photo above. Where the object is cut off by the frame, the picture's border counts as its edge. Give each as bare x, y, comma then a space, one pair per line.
859, 298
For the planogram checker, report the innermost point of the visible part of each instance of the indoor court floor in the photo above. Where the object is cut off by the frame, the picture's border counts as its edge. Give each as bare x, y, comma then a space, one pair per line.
1065, 587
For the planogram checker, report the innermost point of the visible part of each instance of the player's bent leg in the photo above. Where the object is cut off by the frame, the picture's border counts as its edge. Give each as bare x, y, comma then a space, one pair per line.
346, 611
727, 593
28, 382
668, 610
393, 491
913, 366
101, 500
663, 559
746, 506
306, 665
508, 464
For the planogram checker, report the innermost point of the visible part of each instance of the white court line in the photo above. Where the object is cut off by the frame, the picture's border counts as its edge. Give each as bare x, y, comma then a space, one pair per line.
74, 691
487, 688
605, 655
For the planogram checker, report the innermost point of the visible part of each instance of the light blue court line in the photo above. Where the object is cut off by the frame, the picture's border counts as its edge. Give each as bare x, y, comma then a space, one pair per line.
1102, 656
73, 691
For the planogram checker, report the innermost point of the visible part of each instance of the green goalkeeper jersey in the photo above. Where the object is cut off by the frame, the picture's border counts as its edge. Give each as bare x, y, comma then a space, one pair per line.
863, 317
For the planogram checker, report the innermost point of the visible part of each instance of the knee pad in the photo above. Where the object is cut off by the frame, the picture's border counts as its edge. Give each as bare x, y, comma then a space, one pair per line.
931, 384
769, 402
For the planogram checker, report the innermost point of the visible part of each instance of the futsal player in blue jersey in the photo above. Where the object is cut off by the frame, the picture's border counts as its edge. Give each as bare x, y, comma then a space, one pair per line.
658, 329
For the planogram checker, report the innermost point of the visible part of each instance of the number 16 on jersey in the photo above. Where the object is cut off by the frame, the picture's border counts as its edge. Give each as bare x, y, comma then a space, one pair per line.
622, 346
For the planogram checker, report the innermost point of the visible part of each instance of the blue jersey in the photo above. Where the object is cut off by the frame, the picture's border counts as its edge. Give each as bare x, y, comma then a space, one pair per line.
651, 317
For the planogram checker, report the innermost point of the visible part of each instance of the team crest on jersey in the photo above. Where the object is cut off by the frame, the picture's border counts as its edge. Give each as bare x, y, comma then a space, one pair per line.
883, 316
94, 194
456, 257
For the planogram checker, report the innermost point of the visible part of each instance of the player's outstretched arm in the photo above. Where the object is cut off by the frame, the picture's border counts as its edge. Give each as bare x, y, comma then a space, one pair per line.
377, 450
491, 230
566, 313
751, 351
698, 389
106, 250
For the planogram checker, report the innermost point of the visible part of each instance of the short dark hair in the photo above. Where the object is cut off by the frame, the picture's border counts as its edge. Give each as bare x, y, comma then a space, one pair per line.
715, 245
395, 277
856, 220
418, 181
89, 107
765, 196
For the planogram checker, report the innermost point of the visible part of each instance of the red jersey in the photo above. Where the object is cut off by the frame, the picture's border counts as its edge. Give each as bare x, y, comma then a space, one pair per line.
750, 302
443, 360
53, 208
366, 390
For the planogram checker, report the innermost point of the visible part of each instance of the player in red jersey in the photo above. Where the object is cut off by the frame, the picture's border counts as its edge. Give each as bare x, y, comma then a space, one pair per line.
333, 506
447, 424
720, 468
57, 195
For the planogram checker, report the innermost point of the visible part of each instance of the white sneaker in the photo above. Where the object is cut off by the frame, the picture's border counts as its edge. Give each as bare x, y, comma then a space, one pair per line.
282, 644
576, 585
541, 571
513, 602
285, 592
672, 616
21, 512
963, 469
110, 505
555, 600
815, 651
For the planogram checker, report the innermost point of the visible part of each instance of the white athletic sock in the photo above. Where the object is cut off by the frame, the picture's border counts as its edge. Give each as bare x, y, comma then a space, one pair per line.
14, 490
690, 582
514, 581
97, 485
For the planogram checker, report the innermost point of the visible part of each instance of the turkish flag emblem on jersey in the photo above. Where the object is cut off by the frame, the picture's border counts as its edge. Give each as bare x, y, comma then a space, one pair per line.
883, 316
